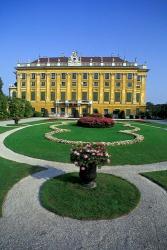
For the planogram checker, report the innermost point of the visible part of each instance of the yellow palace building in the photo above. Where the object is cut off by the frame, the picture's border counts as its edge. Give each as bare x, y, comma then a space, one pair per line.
89, 84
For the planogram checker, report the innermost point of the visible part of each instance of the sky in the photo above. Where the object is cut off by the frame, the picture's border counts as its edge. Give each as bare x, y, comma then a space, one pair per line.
130, 29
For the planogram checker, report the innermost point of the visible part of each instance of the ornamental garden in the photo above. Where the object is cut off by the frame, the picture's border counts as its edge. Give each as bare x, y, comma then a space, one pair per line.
89, 143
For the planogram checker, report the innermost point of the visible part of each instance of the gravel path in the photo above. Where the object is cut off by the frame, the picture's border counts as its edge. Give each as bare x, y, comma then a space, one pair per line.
27, 225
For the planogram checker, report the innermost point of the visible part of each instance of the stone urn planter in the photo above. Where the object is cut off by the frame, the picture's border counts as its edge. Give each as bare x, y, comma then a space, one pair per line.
88, 175
89, 157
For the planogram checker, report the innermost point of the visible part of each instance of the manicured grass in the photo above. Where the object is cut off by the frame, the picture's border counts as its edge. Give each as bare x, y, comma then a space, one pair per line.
111, 198
10, 173
31, 141
93, 134
159, 177
4, 129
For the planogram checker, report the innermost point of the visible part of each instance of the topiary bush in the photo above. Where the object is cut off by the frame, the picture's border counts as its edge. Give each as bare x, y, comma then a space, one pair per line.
95, 122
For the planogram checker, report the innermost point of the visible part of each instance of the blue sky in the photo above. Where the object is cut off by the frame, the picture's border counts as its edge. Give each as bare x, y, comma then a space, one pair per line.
132, 29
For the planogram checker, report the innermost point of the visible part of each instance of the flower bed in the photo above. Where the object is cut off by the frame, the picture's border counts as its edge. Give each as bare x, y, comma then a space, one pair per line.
137, 137
95, 122
84, 155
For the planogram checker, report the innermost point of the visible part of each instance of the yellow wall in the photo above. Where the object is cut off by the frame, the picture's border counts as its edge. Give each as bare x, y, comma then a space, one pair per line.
100, 104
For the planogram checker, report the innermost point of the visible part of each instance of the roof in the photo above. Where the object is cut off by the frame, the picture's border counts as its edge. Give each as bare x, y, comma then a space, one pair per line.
95, 59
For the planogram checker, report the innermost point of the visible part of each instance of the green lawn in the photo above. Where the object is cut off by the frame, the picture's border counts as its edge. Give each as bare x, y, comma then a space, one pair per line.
93, 134
31, 141
159, 177
4, 129
111, 198
10, 173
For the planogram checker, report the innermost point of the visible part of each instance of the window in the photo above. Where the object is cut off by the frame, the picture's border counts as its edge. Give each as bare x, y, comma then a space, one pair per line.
95, 84
117, 84
33, 76
43, 75
42, 110
128, 112
137, 97
117, 97
138, 85
53, 75
106, 111
74, 84
52, 96
33, 96
74, 76
138, 78
73, 96
118, 76
42, 84
129, 76
137, 111
129, 85
63, 76
96, 75
23, 95
42, 96
95, 96
128, 96
63, 96
63, 84
107, 76
85, 84
52, 110
23, 84
52, 84
14, 94
106, 96
85, 76
107, 84
32, 84
84, 96
23, 76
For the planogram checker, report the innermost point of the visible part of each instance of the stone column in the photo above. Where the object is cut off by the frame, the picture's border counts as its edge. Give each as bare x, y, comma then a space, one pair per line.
28, 87
48, 87
58, 82
143, 90
123, 99
18, 85
68, 88
112, 89
38, 88
90, 86
101, 94
134, 88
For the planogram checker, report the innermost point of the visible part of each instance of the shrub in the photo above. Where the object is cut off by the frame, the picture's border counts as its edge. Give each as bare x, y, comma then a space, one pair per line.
131, 116
37, 114
45, 113
108, 115
95, 122
95, 115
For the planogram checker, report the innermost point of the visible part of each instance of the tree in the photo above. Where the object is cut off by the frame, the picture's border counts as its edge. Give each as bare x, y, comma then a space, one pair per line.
1, 85
28, 112
16, 109
3, 106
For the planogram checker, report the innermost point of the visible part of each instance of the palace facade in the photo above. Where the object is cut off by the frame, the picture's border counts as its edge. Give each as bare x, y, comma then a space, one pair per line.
89, 84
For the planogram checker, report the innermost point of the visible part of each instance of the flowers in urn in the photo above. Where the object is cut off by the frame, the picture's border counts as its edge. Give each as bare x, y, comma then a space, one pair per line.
88, 157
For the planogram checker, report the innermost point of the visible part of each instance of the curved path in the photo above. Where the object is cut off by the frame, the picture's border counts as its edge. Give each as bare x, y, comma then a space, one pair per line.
27, 225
